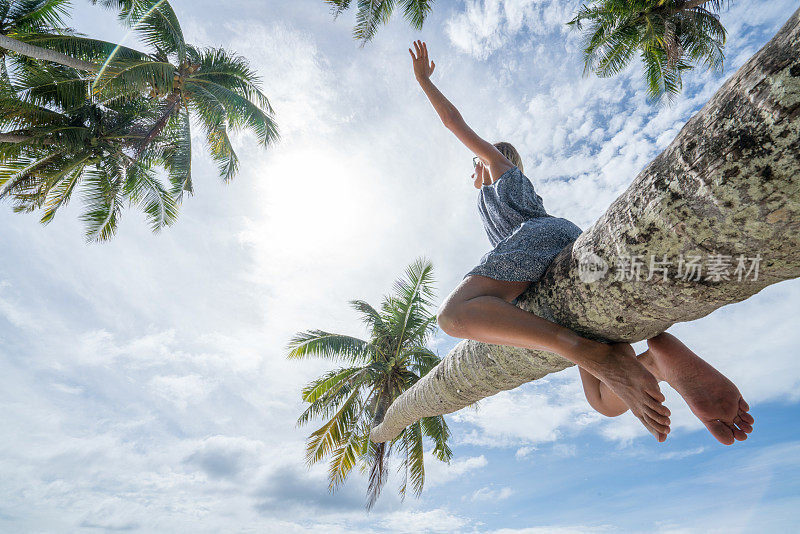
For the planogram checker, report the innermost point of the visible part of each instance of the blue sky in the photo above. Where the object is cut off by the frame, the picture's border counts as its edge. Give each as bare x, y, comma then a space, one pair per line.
143, 384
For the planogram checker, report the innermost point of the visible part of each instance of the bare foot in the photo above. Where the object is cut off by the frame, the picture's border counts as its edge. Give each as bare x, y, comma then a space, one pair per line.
713, 398
635, 386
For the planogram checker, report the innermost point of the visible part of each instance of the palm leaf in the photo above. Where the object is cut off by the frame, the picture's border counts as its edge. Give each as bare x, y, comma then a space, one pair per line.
323, 344
330, 435
103, 197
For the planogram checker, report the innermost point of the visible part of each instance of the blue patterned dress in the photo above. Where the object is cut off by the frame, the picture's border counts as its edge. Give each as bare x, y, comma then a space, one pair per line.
525, 237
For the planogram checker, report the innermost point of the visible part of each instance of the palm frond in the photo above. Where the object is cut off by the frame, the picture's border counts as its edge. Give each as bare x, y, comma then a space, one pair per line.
415, 11
154, 21
329, 435
378, 471
177, 156
237, 110
59, 195
371, 14
103, 197
322, 386
321, 344
22, 16
144, 188
436, 429
413, 463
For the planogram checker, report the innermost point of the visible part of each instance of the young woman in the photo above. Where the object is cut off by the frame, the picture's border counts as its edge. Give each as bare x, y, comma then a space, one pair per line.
526, 239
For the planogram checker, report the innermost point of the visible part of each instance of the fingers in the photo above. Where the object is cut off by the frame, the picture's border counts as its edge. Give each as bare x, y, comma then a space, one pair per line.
413, 57
418, 48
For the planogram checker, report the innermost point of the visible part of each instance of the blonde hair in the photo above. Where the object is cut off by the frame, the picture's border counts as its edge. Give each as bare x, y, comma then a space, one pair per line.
511, 154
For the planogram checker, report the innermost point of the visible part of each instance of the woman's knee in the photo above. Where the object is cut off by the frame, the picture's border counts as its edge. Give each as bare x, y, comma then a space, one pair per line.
450, 320
655, 341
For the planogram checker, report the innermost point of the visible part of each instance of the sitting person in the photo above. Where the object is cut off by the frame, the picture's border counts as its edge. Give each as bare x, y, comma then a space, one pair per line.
526, 239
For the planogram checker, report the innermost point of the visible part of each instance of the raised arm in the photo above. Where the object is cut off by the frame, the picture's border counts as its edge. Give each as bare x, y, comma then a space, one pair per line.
451, 117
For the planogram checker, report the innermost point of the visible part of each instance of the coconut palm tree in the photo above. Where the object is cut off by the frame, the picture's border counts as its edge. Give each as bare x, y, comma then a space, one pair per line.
173, 83
63, 140
669, 35
373, 13
217, 87
354, 397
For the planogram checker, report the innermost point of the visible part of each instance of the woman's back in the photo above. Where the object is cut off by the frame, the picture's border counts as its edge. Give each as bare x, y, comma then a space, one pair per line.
507, 203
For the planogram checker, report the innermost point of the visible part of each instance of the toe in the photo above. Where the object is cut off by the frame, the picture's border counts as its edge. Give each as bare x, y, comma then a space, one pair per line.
721, 431
658, 427
650, 428
656, 394
746, 417
746, 427
744, 406
659, 408
738, 434
657, 417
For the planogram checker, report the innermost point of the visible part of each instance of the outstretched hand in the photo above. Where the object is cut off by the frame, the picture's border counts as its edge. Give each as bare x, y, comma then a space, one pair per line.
422, 69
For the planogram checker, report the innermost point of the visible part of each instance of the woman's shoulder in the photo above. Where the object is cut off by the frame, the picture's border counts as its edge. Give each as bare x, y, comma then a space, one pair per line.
512, 171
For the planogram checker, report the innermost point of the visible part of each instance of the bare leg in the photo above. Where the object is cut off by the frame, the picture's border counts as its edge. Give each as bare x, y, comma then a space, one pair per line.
479, 308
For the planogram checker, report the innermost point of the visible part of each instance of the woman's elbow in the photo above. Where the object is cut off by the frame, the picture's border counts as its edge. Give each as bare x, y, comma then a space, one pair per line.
451, 120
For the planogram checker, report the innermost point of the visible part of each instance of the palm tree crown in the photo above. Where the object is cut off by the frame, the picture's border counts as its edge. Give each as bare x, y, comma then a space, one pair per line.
372, 13
108, 117
353, 398
670, 35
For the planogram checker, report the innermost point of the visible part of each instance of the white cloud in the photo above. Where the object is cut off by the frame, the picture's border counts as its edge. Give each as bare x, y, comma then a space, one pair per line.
555, 529
492, 495
439, 473
524, 452
486, 26
529, 415
429, 521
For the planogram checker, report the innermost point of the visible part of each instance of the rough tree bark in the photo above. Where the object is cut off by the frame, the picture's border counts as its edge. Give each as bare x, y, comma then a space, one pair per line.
728, 184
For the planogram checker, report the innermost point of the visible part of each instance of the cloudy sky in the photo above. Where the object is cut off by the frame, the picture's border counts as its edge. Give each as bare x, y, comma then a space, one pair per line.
143, 382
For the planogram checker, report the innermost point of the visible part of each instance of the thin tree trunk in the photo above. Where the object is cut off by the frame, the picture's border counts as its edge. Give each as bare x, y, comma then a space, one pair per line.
44, 54
13, 138
729, 183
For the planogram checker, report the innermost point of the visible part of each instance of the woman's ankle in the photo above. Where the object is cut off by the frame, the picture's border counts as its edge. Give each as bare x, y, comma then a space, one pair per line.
589, 354
646, 358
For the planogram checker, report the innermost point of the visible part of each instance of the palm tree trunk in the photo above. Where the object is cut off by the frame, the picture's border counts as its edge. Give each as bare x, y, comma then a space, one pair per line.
173, 103
44, 54
729, 183
13, 138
